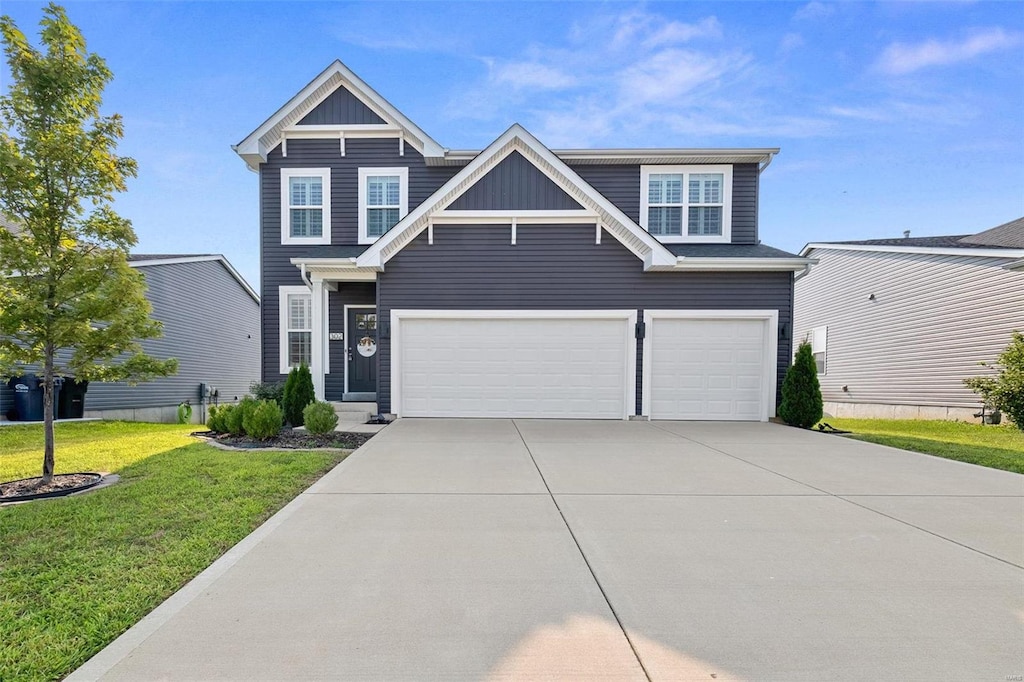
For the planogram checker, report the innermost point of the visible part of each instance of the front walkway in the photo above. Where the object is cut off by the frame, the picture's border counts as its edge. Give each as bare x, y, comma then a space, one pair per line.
501, 549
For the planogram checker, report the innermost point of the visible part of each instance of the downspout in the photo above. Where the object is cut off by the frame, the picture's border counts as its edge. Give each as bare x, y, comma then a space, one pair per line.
762, 167
305, 276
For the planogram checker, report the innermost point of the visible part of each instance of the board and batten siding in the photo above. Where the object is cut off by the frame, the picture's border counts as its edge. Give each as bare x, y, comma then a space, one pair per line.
210, 324
933, 319
556, 267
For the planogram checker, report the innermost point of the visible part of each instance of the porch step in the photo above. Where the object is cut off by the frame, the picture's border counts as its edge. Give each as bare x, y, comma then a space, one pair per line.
341, 408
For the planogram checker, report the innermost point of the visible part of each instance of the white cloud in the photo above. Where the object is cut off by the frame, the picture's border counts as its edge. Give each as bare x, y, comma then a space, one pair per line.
532, 75
902, 58
813, 11
790, 42
675, 32
668, 74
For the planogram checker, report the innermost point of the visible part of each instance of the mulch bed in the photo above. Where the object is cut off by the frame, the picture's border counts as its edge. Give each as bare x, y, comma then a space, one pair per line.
32, 488
294, 440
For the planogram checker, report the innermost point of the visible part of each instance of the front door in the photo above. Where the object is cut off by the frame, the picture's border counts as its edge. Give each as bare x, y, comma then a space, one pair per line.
361, 345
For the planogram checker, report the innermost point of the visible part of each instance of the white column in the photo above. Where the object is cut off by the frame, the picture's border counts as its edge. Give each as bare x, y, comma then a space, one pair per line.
319, 334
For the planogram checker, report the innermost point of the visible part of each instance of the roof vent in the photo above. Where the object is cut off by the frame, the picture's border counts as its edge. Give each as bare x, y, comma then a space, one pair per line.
906, 234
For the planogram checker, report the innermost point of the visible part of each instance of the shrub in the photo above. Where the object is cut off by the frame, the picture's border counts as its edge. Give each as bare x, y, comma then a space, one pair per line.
801, 394
263, 419
219, 415
211, 417
1005, 391
298, 392
320, 417
269, 390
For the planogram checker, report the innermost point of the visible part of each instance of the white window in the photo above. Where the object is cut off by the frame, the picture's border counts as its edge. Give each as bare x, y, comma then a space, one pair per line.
687, 203
296, 323
383, 201
819, 341
305, 205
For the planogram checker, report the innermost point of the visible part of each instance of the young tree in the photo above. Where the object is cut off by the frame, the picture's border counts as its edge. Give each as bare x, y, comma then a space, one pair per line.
69, 302
298, 392
1005, 390
801, 393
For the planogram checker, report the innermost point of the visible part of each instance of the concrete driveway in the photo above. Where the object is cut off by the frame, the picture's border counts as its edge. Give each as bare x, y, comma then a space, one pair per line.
527, 549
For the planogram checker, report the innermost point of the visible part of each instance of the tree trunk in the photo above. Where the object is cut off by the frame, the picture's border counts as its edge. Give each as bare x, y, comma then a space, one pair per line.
48, 415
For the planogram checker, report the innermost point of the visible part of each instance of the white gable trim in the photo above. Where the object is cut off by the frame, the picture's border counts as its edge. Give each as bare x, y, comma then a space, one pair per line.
935, 250
516, 138
259, 143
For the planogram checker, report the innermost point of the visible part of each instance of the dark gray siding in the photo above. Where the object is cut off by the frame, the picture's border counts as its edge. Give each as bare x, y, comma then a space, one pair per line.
276, 268
553, 267
515, 183
348, 293
620, 184
211, 325
341, 107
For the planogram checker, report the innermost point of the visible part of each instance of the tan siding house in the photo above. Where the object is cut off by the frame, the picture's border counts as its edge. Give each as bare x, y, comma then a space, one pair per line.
898, 324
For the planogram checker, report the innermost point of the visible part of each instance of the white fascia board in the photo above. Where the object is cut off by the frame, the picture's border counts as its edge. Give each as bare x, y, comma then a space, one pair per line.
254, 153
740, 264
407, 228
199, 259
646, 155
933, 250
335, 268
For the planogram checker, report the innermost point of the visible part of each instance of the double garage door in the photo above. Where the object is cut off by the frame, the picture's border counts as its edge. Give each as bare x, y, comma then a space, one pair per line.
582, 364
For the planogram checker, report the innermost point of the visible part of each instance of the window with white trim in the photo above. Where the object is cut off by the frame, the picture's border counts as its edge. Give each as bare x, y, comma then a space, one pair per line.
296, 308
383, 201
305, 205
687, 203
819, 344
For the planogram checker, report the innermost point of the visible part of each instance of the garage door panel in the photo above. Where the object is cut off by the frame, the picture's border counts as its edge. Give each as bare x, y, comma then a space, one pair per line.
707, 368
481, 366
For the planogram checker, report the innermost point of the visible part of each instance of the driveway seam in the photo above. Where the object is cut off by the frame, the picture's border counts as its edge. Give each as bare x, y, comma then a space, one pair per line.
600, 587
848, 501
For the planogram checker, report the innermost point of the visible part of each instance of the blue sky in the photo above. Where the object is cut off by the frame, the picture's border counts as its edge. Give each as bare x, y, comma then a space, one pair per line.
890, 116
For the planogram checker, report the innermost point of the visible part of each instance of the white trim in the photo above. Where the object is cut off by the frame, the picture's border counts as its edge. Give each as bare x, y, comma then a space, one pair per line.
629, 316
523, 216
770, 364
255, 148
761, 156
197, 259
325, 177
403, 196
336, 269
935, 250
346, 339
283, 292
725, 169
741, 264
516, 138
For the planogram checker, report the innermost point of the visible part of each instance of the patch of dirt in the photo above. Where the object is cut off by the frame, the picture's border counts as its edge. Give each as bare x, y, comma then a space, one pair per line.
61, 483
295, 440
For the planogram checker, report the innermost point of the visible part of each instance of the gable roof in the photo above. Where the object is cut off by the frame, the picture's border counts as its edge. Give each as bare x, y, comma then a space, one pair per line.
596, 208
1008, 235
142, 260
258, 144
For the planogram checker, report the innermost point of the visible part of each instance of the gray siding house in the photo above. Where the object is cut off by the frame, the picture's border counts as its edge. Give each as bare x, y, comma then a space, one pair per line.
211, 324
513, 281
896, 325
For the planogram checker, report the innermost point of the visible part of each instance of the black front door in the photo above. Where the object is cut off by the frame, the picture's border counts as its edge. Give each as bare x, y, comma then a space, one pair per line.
362, 350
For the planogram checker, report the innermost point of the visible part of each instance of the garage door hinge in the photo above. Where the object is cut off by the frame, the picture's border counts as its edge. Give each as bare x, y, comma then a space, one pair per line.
640, 330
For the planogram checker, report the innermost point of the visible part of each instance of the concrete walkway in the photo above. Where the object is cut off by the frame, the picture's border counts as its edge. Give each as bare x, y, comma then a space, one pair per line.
527, 549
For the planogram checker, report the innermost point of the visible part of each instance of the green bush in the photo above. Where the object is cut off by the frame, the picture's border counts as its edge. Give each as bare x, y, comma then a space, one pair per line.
269, 390
211, 417
1005, 391
298, 392
801, 394
320, 417
218, 420
234, 422
263, 419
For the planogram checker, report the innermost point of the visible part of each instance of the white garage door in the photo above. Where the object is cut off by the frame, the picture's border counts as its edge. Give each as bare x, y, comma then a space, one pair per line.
550, 364
714, 369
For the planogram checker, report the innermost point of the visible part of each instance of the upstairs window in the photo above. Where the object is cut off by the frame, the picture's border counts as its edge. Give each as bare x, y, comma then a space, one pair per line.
383, 201
305, 206
686, 203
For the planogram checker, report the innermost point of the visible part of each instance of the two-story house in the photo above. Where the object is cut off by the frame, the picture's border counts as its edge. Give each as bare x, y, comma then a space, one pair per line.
516, 281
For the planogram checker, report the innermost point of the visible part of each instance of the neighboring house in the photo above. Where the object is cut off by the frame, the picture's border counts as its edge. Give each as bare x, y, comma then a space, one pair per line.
517, 280
896, 325
211, 324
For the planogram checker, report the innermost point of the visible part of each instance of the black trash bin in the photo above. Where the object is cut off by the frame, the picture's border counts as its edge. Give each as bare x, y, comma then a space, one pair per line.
72, 399
28, 397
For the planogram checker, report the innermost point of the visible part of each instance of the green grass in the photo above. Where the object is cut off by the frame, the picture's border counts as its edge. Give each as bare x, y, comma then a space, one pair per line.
78, 571
998, 447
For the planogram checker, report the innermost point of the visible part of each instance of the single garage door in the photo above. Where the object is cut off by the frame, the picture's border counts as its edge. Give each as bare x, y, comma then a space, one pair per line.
713, 369
546, 364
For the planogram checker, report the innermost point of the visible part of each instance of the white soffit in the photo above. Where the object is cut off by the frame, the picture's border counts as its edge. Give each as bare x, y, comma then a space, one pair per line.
517, 138
258, 144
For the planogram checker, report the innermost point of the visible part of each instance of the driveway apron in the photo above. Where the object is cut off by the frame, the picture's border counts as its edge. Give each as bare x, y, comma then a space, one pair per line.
541, 549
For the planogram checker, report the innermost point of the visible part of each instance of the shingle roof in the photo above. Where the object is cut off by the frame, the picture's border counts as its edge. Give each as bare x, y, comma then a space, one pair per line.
162, 256
1008, 235
728, 251
953, 241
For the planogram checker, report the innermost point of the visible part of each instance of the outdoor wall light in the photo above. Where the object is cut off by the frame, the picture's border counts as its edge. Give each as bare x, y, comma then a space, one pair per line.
784, 330
871, 297
846, 389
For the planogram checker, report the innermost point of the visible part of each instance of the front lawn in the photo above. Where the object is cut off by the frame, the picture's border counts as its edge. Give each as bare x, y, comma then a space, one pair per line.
998, 447
78, 571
